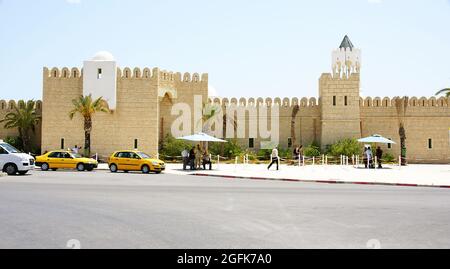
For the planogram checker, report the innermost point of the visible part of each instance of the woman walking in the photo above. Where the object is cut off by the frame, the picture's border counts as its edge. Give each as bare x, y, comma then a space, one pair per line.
275, 159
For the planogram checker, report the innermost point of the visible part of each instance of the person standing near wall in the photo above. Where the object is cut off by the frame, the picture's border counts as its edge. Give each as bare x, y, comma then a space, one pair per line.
275, 159
379, 154
185, 156
198, 157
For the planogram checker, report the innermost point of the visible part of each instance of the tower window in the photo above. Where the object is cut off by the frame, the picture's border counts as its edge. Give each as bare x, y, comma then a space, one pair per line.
251, 143
135, 144
62, 143
99, 73
334, 100
430, 143
346, 101
389, 145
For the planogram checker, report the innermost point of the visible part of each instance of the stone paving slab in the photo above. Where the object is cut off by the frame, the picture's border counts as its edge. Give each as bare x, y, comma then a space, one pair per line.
412, 175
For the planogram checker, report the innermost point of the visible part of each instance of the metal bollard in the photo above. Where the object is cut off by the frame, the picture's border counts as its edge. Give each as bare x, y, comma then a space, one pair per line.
303, 160
314, 160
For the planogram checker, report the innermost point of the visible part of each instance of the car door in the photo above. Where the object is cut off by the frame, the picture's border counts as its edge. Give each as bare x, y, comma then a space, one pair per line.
123, 161
53, 159
3, 157
67, 161
135, 161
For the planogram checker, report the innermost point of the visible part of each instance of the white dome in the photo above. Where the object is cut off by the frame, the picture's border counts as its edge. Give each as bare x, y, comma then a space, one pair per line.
103, 56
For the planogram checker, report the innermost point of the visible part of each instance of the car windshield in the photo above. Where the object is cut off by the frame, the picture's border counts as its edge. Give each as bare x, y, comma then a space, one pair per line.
9, 148
144, 155
75, 155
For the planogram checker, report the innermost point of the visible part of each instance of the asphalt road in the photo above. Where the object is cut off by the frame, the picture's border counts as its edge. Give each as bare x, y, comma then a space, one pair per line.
103, 210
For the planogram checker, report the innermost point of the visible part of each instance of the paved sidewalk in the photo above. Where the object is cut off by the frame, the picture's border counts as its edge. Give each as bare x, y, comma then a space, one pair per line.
412, 175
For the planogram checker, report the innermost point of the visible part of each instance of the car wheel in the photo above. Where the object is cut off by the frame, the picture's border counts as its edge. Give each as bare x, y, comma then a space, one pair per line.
44, 167
80, 167
22, 173
145, 169
10, 169
113, 168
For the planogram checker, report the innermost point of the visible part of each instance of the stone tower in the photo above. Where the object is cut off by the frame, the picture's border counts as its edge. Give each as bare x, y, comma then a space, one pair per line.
339, 95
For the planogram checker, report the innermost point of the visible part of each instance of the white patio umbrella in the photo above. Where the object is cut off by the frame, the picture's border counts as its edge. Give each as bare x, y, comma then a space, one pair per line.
201, 137
376, 139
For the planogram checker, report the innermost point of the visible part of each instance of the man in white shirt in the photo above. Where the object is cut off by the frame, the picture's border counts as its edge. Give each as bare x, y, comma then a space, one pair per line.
185, 155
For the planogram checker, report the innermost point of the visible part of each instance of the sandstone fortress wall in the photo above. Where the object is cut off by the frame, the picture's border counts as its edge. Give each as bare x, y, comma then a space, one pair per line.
144, 99
9, 106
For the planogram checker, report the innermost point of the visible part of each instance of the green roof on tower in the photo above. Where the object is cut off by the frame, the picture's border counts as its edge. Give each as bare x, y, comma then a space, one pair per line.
346, 43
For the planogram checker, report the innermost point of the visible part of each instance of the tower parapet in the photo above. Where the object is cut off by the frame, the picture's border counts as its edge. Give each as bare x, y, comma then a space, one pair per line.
346, 59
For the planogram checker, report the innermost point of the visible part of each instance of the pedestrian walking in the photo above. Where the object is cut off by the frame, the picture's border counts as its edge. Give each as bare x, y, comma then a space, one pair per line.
275, 159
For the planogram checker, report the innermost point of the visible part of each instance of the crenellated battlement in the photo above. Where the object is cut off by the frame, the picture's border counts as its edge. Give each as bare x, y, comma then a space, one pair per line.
63, 73
130, 73
12, 104
412, 102
339, 77
277, 101
162, 75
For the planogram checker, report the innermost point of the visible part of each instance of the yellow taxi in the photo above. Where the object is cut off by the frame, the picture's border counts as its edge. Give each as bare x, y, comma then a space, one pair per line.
55, 160
133, 160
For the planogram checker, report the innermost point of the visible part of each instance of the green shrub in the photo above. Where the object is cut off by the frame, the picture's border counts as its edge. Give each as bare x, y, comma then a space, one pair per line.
15, 142
173, 147
230, 149
312, 150
346, 147
388, 157
264, 154
285, 153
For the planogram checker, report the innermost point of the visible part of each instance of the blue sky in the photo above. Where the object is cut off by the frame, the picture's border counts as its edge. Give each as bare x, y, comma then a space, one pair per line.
249, 48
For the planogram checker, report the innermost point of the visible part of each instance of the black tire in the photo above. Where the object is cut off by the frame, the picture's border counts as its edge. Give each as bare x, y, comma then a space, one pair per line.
113, 168
90, 169
22, 173
145, 169
10, 169
45, 167
81, 167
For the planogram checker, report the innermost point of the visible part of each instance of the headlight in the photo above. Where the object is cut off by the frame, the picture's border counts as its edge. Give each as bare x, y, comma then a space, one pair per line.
155, 163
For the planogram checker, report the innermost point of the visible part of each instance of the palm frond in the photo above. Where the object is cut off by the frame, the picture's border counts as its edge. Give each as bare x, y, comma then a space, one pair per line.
445, 91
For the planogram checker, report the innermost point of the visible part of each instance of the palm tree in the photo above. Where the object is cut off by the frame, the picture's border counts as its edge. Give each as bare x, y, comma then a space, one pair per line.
25, 119
87, 107
401, 104
445, 91
295, 111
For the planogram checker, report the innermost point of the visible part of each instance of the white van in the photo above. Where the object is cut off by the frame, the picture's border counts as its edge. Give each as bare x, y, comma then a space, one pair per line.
12, 161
